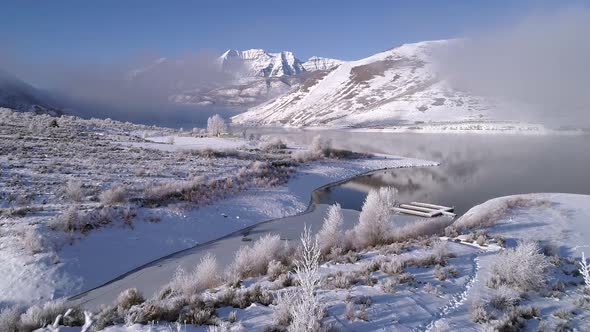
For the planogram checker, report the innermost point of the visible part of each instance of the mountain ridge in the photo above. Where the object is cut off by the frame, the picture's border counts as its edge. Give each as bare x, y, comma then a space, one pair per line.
397, 86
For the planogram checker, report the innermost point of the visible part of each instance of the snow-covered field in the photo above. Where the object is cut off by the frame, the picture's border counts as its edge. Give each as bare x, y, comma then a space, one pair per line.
40, 261
85, 201
441, 283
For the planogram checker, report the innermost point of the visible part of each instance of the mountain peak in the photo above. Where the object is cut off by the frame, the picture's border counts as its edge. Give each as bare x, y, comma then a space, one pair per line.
260, 63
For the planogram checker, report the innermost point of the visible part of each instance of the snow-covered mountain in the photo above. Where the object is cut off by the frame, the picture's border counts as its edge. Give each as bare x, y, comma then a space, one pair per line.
257, 76
18, 95
398, 86
259, 63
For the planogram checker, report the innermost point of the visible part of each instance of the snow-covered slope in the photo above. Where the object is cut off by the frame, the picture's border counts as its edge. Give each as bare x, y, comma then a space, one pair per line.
398, 86
20, 96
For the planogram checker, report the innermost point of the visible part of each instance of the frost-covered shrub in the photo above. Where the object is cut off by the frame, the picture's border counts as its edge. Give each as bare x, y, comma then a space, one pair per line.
522, 268
281, 312
431, 289
243, 298
253, 261
342, 280
505, 297
197, 315
32, 241
73, 191
363, 300
221, 327
207, 272
10, 320
374, 264
440, 273
420, 228
273, 144
331, 234
479, 313
68, 221
275, 269
192, 190
216, 125
554, 326
128, 214
443, 274
374, 226
357, 308
394, 266
129, 298
168, 310
204, 276
320, 146
41, 315
516, 319
303, 156
440, 252
405, 278
116, 194
283, 281
350, 311
389, 285
232, 317
563, 314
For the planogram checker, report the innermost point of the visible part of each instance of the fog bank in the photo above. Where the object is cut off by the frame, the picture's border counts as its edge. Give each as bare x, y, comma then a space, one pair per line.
137, 89
542, 61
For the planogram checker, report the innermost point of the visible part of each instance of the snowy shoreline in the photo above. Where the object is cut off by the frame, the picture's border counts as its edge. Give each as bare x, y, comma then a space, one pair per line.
432, 303
220, 220
456, 128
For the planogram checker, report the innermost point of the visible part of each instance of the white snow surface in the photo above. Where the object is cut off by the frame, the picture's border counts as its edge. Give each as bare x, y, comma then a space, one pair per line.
396, 87
108, 252
446, 305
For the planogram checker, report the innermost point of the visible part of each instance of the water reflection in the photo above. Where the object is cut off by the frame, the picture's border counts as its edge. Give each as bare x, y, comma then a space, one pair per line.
474, 168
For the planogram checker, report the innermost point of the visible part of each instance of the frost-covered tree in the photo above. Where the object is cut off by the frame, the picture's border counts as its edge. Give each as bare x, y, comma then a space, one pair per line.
585, 271
216, 125
307, 310
319, 145
331, 234
374, 226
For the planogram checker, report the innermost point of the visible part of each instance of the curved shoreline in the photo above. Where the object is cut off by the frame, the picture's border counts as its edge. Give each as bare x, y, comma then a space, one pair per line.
80, 299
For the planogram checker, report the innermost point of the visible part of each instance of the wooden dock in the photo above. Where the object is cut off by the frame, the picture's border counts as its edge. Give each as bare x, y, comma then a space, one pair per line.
425, 210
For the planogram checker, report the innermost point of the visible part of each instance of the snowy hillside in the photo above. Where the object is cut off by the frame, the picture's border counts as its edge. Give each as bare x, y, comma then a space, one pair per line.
18, 95
398, 86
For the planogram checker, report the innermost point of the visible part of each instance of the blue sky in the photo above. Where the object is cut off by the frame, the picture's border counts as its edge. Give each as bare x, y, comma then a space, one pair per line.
108, 31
